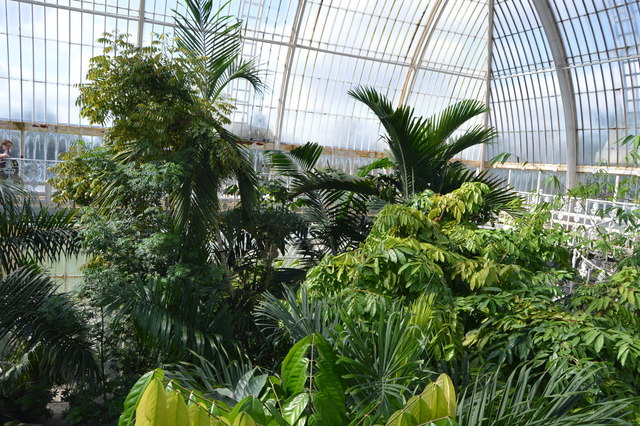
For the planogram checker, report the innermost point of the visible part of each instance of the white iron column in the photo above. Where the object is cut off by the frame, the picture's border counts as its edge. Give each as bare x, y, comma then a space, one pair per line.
293, 41
565, 82
430, 26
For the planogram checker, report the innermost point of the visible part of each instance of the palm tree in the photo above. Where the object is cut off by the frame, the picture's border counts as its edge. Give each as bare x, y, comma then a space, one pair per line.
40, 329
421, 155
336, 216
213, 44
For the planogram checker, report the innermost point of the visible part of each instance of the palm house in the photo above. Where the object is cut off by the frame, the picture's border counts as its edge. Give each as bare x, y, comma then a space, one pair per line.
320, 212
561, 78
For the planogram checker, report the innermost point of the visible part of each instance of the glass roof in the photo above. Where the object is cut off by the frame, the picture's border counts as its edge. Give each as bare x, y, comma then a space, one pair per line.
562, 78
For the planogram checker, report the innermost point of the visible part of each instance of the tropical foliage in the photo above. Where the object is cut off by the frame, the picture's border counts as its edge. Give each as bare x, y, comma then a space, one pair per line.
43, 334
421, 157
394, 296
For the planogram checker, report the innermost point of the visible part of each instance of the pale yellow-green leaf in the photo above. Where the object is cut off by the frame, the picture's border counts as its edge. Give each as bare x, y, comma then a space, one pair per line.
433, 395
152, 408
420, 410
177, 413
198, 415
402, 418
449, 392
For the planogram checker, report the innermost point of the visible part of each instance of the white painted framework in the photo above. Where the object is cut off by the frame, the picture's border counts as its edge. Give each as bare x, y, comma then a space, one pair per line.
562, 78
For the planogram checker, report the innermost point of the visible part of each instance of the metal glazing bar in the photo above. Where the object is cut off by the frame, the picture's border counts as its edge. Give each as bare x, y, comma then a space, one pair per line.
297, 24
487, 99
423, 42
141, 22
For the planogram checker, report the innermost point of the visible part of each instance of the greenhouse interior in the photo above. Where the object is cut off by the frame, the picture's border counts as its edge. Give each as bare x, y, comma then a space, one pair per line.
320, 212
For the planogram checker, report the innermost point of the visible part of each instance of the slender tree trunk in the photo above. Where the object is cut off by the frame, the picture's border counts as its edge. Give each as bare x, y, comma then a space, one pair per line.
224, 262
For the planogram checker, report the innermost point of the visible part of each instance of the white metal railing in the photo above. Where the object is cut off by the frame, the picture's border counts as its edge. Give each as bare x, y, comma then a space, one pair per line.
33, 174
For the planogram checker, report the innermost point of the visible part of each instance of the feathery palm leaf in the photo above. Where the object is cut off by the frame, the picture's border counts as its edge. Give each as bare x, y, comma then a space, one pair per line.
336, 214
422, 150
157, 308
29, 234
42, 327
213, 42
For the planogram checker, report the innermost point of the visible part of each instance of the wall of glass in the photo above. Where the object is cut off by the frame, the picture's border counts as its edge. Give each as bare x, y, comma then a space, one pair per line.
562, 78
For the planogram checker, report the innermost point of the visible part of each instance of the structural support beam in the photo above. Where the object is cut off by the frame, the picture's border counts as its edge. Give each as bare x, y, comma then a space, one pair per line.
489, 67
293, 41
141, 22
565, 82
423, 42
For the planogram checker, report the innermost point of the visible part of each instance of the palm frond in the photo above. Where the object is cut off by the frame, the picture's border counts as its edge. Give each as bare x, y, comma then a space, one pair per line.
29, 234
444, 124
529, 397
381, 363
475, 136
213, 43
157, 308
42, 327
248, 70
295, 316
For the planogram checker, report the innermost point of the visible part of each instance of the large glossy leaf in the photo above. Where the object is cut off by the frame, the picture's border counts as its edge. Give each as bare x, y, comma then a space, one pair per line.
449, 393
198, 415
252, 406
293, 408
152, 408
177, 412
295, 367
436, 400
249, 385
402, 418
245, 419
133, 398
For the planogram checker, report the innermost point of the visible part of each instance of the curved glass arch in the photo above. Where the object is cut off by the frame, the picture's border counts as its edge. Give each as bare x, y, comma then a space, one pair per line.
425, 53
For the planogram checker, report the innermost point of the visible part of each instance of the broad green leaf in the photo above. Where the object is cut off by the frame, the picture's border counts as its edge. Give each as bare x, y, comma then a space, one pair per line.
419, 409
295, 367
244, 419
177, 413
198, 415
449, 392
133, 398
443, 422
152, 408
436, 400
402, 418
294, 407
252, 406
329, 400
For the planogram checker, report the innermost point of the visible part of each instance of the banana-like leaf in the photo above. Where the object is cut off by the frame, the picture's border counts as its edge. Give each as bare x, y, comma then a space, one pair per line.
133, 398
152, 407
